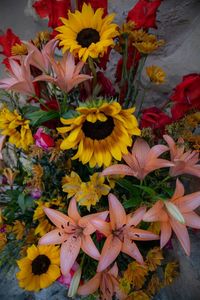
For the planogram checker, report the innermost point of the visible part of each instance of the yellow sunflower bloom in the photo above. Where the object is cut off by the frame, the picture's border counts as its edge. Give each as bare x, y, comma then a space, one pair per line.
18, 229
87, 33
156, 74
100, 133
17, 128
40, 268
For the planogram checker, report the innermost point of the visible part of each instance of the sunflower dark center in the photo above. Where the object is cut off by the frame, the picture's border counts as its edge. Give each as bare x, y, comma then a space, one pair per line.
87, 36
98, 130
40, 264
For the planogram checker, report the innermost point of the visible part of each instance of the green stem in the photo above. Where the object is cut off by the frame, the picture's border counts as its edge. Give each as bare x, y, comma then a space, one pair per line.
93, 70
124, 76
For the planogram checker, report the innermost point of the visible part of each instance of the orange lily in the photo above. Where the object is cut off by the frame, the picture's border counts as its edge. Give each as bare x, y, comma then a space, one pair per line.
175, 214
121, 233
105, 280
73, 232
66, 73
141, 161
184, 162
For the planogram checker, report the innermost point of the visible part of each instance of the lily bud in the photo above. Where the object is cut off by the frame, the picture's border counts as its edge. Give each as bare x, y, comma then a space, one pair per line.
175, 212
75, 282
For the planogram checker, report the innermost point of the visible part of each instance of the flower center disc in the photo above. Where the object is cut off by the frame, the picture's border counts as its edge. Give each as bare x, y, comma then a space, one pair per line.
87, 36
98, 130
40, 264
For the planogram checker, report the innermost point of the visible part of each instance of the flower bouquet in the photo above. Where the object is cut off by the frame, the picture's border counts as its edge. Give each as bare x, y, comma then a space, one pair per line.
92, 180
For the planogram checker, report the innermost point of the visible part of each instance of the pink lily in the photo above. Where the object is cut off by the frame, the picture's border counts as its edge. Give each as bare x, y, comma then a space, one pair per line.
40, 58
141, 161
66, 73
175, 214
73, 232
184, 162
121, 233
20, 79
106, 281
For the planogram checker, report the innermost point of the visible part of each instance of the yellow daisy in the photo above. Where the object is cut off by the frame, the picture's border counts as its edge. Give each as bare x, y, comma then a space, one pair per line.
87, 33
40, 268
156, 74
13, 125
100, 133
18, 229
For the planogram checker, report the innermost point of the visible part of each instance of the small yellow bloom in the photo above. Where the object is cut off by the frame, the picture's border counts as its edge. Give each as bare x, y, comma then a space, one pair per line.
171, 271
124, 285
3, 240
18, 229
144, 42
136, 274
19, 49
71, 184
156, 74
154, 258
40, 268
10, 175
153, 286
42, 38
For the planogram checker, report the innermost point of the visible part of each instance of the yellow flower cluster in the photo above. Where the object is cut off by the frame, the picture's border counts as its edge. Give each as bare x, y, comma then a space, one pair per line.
86, 193
156, 74
18, 229
13, 125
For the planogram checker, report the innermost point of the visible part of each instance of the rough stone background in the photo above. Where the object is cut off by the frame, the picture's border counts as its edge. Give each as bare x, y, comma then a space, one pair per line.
179, 25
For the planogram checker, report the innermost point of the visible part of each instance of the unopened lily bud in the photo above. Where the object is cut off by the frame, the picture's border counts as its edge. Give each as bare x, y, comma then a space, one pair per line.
175, 212
75, 283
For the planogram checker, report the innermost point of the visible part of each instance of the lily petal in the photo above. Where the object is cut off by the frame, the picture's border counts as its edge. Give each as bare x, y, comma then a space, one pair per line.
166, 232
52, 237
102, 226
91, 286
68, 253
136, 217
179, 191
130, 248
189, 202
58, 218
110, 251
89, 247
119, 169
154, 213
117, 212
182, 235
73, 211
192, 220
114, 270
142, 235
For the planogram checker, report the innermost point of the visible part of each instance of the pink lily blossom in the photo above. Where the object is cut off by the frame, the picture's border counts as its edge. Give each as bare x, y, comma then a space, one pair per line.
141, 161
20, 79
121, 233
185, 162
65, 73
40, 58
73, 232
175, 214
106, 281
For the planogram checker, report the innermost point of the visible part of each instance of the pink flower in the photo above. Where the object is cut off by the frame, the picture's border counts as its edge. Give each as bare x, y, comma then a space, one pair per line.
66, 279
36, 193
65, 73
184, 162
141, 161
42, 139
20, 79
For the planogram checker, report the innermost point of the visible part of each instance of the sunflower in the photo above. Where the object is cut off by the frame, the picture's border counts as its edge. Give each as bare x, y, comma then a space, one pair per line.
13, 125
100, 132
40, 268
87, 33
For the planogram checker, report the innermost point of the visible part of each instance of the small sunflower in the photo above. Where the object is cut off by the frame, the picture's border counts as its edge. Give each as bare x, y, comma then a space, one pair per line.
156, 74
40, 268
87, 33
100, 132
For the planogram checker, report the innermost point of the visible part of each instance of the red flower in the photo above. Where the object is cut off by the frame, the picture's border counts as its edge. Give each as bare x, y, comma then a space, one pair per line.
53, 9
156, 119
8, 40
107, 88
43, 140
95, 4
143, 14
186, 96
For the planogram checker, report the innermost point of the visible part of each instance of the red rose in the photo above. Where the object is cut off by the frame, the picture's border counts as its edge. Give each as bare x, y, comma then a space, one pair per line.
186, 96
156, 119
53, 9
143, 14
107, 88
95, 4
42, 139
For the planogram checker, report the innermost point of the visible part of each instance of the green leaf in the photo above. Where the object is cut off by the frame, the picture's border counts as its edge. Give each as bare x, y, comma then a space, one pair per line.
21, 202
146, 189
41, 116
133, 202
128, 186
70, 114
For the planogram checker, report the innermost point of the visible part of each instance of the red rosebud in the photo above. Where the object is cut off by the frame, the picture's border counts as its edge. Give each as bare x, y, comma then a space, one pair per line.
107, 88
43, 140
156, 119
53, 9
95, 4
143, 14
186, 96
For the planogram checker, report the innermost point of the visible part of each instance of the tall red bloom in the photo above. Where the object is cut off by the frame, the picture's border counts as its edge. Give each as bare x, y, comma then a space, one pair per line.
8, 40
107, 88
156, 119
186, 96
95, 4
53, 9
143, 14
